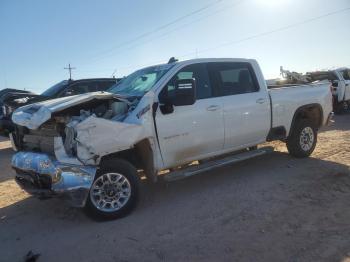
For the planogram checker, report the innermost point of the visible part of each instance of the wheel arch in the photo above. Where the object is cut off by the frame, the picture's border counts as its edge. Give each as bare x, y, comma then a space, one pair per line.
314, 112
141, 156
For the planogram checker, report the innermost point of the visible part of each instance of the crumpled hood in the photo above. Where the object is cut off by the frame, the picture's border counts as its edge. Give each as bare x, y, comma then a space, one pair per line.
34, 115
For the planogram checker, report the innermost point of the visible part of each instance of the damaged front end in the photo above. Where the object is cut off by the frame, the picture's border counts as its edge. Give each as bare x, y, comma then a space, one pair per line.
76, 131
61, 142
42, 176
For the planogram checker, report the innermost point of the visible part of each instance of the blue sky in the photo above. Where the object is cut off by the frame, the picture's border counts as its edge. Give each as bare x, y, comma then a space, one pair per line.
39, 38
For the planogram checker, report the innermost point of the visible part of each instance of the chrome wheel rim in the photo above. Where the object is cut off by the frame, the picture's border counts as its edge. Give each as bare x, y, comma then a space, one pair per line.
110, 192
307, 138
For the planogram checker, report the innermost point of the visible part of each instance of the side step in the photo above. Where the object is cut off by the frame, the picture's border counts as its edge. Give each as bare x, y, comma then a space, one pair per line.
197, 169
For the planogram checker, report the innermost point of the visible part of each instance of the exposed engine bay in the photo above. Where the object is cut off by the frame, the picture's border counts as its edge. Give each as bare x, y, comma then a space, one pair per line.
70, 127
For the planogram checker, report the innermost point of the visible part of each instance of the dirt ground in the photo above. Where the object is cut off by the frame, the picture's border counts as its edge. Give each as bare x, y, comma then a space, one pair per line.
272, 208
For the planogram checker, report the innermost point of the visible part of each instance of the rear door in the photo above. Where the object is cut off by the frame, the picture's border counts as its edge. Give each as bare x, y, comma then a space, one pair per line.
246, 106
195, 131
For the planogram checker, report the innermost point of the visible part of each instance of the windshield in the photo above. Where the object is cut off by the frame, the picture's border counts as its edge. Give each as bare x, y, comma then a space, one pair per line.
53, 90
141, 81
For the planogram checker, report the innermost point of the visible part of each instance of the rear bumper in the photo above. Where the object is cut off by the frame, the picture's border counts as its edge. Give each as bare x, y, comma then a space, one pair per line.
40, 175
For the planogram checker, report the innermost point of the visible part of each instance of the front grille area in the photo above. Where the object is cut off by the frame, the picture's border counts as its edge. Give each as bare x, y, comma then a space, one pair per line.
40, 140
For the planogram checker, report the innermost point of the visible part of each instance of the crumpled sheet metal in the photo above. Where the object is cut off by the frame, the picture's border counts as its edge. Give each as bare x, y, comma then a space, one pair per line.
99, 137
31, 120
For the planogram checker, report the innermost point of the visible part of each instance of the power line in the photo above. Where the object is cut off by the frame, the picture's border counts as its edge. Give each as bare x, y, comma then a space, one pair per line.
225, 8
143, 35
271, 32
284, 28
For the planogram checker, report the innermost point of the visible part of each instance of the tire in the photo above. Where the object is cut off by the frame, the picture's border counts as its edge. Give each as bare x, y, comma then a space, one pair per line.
116, 187
302, 140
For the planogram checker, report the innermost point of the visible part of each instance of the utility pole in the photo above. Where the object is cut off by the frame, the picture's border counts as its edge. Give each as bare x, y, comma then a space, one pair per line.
70, 71
114, 72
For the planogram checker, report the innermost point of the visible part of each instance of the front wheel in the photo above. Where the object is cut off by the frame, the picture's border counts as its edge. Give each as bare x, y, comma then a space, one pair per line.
302, 140
114, 192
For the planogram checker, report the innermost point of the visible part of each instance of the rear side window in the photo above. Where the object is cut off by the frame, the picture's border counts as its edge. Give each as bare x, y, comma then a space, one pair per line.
233, 78
199, 73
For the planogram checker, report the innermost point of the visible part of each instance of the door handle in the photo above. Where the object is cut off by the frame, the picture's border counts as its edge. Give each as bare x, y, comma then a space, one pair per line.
213, 108
260, 101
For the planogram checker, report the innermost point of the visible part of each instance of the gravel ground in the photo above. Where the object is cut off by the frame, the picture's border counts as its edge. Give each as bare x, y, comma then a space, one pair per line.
272, 208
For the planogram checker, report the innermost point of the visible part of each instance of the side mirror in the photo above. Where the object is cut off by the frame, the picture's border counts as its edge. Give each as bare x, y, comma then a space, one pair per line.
335, 84
184, 93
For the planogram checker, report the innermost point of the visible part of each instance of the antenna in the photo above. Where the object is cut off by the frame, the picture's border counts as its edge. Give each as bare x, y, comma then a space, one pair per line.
70, 70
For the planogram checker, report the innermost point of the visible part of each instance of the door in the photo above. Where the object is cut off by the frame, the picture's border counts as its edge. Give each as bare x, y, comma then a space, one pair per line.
246, 106
190, 132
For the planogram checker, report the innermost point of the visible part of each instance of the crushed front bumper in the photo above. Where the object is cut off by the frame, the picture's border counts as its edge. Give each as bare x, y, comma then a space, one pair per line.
43, 176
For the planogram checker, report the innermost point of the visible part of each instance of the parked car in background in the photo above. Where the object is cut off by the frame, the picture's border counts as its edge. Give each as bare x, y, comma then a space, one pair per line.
340, 79
14, 100
4, 95
93, 148
11, 90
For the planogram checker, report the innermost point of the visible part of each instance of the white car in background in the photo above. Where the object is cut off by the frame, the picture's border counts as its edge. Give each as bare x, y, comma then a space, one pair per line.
340, 79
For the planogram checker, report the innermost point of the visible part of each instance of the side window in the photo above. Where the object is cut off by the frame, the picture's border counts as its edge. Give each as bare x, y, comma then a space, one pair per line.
196, 71
76, 89
104, 85
93, 86
233, 78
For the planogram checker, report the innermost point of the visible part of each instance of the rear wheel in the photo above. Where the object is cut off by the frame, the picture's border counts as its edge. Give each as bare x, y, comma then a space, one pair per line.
302, 140
114, 192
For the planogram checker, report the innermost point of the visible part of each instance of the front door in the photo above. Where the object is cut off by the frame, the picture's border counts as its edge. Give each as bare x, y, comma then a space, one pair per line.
195, 131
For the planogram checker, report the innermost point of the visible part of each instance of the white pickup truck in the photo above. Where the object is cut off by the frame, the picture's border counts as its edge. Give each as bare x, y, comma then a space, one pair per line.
180, 118
340, 79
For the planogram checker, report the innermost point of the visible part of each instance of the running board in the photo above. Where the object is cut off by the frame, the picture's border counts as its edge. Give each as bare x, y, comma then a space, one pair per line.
200, 168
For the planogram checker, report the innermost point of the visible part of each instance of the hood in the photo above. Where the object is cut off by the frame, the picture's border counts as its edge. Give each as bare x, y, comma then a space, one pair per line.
34, 115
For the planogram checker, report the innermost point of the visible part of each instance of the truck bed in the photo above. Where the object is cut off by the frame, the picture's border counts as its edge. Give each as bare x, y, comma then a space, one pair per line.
287, 99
